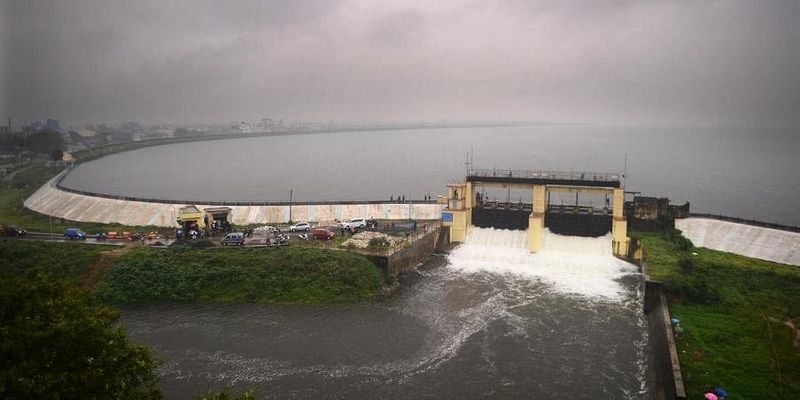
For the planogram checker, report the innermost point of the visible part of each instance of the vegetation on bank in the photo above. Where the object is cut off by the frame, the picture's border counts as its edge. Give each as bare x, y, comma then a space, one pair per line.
65, 261
57, 342
255, 275
733, 312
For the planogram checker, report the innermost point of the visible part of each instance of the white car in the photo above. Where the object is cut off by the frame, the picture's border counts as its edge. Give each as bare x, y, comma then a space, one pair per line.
354, 223
300, 227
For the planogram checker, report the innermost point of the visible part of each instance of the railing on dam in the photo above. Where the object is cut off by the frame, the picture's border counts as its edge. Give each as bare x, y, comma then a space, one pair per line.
604, 177
744, 221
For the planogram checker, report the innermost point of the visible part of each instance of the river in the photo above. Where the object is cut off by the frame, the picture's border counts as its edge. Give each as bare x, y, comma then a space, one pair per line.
487, 320
742, 172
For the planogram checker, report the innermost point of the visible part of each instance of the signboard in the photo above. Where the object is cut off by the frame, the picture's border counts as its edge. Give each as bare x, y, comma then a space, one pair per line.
447, 217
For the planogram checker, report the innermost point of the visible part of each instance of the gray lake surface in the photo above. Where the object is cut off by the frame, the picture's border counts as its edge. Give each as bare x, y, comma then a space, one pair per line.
743, 172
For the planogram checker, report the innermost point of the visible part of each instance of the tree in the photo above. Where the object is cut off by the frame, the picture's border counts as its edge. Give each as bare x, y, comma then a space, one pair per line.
58, 342
44, 142
57, 154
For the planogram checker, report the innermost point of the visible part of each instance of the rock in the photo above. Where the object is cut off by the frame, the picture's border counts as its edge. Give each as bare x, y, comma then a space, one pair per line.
361, 240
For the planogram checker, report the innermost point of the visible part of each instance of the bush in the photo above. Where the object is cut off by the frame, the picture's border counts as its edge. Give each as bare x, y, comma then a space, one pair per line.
687, 263
681, 242
284, 275
378, 241
59, 343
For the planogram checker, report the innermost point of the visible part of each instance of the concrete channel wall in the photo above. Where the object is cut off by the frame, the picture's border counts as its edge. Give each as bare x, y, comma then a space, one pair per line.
53, 201
668, 383
408, 258
747, 240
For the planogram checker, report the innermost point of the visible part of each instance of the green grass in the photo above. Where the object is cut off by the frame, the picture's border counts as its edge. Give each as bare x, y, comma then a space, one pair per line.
730, 307
250, 275
274, 275
67, 261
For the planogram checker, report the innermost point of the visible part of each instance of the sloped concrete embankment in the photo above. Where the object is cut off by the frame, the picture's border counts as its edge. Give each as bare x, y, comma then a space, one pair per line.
746, 240
50, 200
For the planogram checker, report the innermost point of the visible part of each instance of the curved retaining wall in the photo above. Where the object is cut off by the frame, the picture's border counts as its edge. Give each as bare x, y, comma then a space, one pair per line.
50, 200
747, 240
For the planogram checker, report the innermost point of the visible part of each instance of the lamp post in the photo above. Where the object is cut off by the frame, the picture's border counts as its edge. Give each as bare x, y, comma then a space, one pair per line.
290, 205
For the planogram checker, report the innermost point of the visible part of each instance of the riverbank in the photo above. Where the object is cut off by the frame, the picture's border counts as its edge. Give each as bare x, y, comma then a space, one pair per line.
259, 275
733, 312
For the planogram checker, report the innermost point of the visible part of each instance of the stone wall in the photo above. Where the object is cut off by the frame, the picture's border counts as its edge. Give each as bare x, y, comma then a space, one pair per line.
407, 259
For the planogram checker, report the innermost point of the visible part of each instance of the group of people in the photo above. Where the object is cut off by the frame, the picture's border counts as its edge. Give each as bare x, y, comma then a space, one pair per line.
402, 198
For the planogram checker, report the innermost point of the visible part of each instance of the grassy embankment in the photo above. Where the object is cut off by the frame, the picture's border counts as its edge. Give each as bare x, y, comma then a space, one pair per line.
732, 309
258, 275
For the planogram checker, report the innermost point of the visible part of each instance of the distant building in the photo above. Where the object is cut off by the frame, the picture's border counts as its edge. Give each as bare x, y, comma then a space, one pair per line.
244, 127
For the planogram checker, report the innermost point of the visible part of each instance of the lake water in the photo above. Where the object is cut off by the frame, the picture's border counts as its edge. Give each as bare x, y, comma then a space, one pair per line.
487, 320
743, 172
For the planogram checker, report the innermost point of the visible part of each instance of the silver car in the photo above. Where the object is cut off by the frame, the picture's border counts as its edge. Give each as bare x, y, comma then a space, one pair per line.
300, 227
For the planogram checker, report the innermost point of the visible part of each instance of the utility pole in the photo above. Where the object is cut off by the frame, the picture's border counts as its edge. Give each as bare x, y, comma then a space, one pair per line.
290, 205
625, 171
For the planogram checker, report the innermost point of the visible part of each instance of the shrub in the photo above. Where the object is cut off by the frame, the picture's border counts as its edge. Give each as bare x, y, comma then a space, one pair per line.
378, 241
59, 343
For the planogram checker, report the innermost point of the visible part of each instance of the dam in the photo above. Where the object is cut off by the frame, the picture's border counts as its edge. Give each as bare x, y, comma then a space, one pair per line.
465, 207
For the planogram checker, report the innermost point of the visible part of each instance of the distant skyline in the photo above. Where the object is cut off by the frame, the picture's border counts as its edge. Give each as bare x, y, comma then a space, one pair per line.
186, 62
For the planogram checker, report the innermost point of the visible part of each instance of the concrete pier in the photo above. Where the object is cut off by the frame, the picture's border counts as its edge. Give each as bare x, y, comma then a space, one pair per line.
50, 200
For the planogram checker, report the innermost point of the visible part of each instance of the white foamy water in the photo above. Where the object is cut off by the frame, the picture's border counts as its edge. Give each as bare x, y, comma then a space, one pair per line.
574, 265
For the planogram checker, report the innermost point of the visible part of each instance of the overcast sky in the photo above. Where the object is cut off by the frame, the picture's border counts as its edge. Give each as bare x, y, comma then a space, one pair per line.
174, 61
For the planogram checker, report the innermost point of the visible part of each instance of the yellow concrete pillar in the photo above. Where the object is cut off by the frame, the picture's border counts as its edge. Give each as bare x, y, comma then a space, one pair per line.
469, 194
539, 198
457, 216
619, 227
619, 200
535, 232
458, 226
536, 220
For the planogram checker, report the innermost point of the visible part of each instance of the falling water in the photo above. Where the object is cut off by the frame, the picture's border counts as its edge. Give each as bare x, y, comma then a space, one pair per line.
575, 265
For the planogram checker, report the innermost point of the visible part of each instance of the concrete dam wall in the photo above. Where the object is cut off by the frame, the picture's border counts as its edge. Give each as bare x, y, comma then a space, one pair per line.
50, 200
747, 240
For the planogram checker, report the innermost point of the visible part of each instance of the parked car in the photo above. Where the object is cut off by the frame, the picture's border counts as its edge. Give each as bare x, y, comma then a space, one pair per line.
355, 223
300, 227
13, 230
234, 239
323, 234
74, 234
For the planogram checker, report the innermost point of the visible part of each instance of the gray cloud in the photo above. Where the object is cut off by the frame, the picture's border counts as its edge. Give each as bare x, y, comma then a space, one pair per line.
209, 61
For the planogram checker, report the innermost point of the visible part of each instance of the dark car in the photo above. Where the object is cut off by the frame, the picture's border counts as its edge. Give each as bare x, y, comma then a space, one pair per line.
323, 234
233, 238
74, 234
13, 230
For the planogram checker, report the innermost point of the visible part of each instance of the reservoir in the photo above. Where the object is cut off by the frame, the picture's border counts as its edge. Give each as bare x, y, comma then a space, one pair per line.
742, 172
486, 320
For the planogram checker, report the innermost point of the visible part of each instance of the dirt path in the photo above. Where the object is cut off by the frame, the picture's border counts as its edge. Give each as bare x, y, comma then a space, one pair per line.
11, 175
790, 323
102, 266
